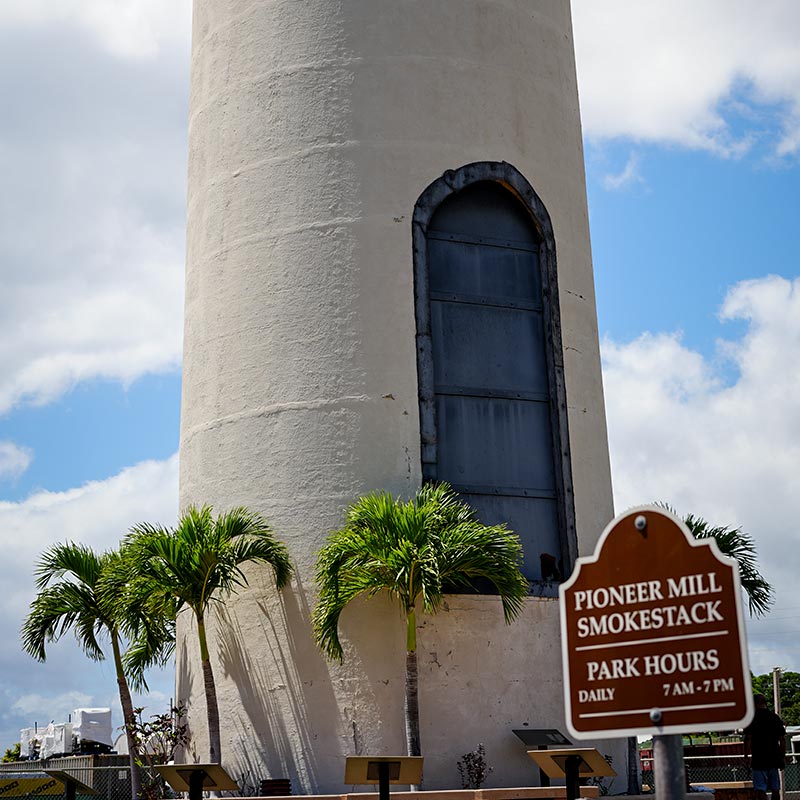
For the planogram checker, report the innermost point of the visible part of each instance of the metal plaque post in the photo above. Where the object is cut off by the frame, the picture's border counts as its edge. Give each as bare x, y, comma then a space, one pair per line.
572, 770
668, 771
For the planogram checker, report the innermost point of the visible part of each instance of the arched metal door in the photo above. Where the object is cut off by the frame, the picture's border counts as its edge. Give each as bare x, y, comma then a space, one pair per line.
492, 398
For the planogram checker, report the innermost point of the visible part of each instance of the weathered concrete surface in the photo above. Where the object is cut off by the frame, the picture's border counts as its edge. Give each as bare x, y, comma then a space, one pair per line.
315, 125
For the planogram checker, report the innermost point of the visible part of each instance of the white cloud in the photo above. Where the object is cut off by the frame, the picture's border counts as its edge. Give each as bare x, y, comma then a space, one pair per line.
673, 72
630, 175
14, 460
127, 28
727, 451
97, 514
46, 707
93, 157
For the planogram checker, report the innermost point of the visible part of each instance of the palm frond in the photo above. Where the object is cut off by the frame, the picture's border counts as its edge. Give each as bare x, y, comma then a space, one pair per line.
203, 556
490, 553
77, 561
262, 548
56, 610
154, 645
410, 550
741, 547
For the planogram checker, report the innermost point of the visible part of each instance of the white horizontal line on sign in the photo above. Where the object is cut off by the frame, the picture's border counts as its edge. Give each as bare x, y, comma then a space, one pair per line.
648, 710
612, 645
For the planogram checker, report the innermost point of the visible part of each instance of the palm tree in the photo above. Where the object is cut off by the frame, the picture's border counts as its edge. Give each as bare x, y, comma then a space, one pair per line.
195, 565
413, 551
70, 579
740, 546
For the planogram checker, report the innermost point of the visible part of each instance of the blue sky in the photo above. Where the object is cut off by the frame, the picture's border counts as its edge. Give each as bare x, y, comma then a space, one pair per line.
691, 119
686, 229
96, 429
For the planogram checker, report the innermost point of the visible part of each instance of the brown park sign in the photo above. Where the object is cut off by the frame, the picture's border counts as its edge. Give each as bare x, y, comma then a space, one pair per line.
652, 633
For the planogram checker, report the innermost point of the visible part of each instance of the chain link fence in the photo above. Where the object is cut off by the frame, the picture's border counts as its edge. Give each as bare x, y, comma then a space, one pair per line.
109, 781
719, 769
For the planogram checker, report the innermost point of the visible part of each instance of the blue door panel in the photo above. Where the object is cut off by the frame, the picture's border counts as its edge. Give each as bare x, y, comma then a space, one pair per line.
494, 443
488, 349
491, 274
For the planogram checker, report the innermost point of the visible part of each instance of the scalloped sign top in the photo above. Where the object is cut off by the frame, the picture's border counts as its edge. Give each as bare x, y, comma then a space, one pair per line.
652, 633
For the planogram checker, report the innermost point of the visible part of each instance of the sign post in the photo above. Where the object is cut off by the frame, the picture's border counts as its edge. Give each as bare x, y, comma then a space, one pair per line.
668, 772
652, 634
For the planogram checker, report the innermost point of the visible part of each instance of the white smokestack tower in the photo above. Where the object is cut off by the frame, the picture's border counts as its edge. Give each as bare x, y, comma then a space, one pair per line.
388, 279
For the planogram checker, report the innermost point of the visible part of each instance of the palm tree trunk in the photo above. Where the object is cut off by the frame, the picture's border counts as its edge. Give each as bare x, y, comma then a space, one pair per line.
130, 719
634, 784
412, 705
212, 709
412, 698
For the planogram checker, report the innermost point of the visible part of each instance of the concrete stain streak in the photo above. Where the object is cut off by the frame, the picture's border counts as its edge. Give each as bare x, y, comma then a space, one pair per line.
277, 233
276, 408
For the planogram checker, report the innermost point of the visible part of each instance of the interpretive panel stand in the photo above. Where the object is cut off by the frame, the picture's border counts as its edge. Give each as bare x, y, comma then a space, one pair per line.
72, 785
197, 778
383, 770
573, 763
542, 738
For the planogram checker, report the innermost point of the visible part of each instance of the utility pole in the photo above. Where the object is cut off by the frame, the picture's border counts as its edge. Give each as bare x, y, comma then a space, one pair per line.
776, 700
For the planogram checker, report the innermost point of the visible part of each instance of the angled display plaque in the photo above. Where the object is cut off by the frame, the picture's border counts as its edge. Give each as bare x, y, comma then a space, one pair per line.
383, 770
197, 778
